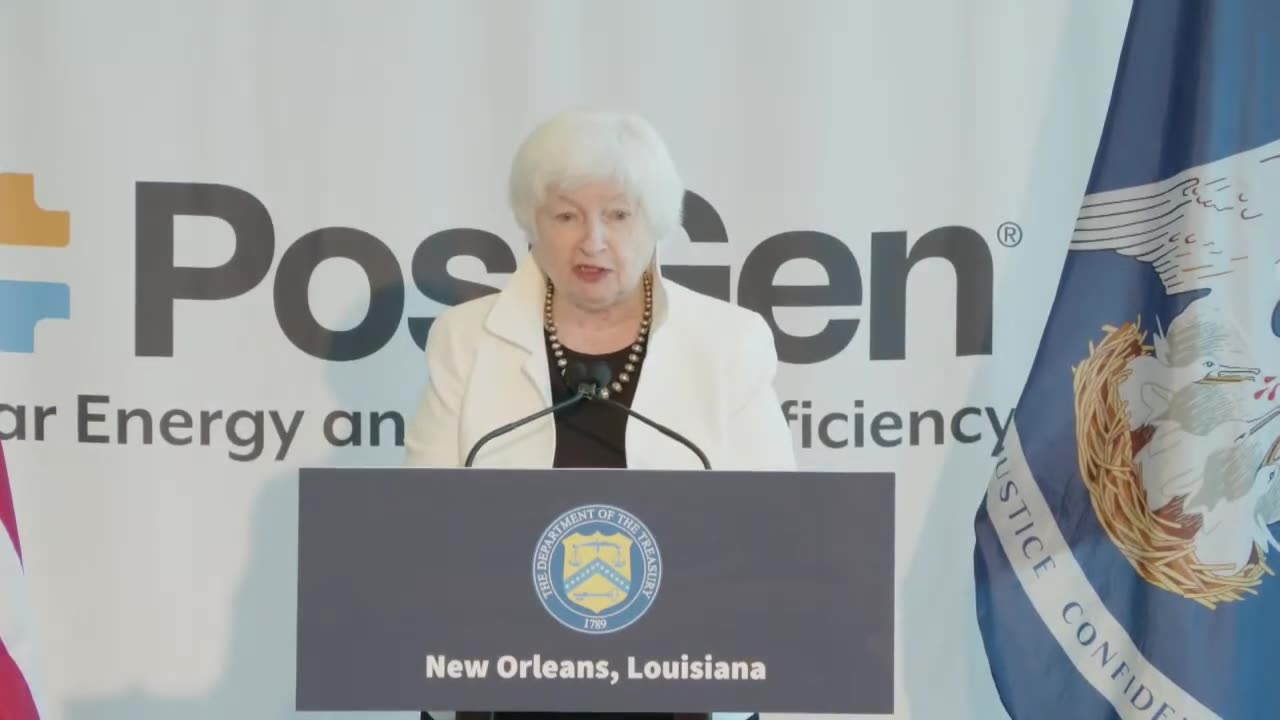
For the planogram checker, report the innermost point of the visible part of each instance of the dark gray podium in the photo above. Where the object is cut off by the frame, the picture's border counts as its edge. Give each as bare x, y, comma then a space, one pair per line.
595, 591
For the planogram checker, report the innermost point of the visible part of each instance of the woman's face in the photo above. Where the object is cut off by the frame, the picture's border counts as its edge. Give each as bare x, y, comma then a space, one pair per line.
593, 244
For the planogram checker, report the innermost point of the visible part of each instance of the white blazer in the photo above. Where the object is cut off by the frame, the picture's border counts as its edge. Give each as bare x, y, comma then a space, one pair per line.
707, 374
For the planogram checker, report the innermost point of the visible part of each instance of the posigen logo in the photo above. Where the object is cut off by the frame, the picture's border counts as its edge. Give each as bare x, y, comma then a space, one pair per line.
24, 303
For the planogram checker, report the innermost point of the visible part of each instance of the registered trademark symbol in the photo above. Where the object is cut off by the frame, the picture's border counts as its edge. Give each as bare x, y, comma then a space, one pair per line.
1009, 233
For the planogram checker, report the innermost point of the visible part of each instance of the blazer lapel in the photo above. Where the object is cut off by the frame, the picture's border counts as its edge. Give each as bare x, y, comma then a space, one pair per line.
661, 394
517, 318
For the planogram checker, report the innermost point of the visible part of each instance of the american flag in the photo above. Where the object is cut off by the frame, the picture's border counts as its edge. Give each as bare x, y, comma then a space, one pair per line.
17, 651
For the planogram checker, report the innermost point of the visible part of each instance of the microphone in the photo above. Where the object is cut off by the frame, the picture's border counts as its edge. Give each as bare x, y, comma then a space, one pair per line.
582, 392
592, 378
587, 379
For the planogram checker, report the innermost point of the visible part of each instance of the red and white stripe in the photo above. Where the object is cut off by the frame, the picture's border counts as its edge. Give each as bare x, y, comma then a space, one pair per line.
17, 646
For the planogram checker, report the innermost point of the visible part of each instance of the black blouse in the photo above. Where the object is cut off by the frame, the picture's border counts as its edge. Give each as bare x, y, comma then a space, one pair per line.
591, 434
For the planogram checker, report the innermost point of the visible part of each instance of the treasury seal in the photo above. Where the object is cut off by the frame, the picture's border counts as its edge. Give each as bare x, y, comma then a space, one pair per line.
596, 569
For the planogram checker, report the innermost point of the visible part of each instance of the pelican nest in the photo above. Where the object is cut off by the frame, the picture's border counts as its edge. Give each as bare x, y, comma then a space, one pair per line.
1158, 543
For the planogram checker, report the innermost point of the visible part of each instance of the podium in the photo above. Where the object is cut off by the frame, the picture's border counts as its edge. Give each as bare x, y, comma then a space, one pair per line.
587, 590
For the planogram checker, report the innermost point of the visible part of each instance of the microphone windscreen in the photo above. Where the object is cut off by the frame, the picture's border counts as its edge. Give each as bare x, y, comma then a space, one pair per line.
601, 373
575, 374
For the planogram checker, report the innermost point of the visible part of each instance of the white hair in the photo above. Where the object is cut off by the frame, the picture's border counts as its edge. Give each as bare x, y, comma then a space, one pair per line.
578, 147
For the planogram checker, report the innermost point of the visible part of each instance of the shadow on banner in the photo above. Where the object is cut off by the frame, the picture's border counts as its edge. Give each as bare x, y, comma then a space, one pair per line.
259, 676
944, 672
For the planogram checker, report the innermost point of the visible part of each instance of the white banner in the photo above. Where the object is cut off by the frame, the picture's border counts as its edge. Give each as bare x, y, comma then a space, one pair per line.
918, 165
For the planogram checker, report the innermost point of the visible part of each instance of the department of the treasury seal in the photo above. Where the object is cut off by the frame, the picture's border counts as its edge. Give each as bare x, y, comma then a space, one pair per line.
596, 569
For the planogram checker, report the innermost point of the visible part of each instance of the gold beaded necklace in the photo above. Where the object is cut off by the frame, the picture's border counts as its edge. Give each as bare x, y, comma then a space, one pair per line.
633, 357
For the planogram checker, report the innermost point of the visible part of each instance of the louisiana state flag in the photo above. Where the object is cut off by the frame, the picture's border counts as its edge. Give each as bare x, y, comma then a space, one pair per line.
1126, 548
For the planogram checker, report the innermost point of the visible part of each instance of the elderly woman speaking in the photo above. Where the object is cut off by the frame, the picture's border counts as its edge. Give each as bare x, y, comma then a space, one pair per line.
597, 194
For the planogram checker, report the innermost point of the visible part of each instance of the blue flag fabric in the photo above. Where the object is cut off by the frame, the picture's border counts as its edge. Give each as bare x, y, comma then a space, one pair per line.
1126, 549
